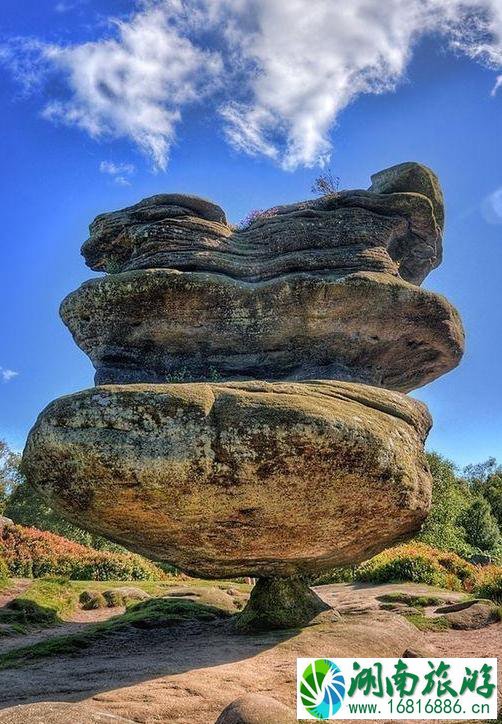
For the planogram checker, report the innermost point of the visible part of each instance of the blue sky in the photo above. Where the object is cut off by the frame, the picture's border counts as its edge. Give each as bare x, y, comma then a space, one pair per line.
242, 113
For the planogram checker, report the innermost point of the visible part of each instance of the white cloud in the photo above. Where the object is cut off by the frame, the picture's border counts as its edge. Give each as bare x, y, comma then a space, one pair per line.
135, 83
312, 58
283, 71
492, 207
118, 171
498, 84
113, 168
7, 375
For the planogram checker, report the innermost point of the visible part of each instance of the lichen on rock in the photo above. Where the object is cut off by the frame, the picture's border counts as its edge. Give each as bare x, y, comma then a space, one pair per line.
233, 479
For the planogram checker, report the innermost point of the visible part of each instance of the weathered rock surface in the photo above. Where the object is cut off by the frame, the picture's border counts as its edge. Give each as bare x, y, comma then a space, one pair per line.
281, 603
321, 289
162, 325
58, 712
190, 674
411, 177
238, 478
395, 227
472, 614
256, 709
5, 522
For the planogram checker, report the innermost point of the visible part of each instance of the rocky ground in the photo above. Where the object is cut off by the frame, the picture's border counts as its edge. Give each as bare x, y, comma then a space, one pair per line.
188, 673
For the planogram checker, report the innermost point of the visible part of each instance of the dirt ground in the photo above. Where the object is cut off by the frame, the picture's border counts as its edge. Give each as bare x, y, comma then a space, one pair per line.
188, 674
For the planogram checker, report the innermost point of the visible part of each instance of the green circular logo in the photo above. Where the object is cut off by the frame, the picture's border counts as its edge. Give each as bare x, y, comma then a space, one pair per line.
322, 688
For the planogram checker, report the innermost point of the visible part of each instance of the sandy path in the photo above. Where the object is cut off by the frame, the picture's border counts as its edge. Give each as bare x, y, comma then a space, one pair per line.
188, 674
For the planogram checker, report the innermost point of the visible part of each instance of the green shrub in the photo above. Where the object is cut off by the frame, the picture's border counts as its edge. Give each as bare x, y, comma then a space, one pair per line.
419, 563
342, 574
489, 584
90, 600
4, 571
29, 552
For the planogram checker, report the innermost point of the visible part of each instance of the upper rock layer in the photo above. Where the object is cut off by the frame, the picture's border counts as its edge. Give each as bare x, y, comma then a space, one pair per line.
238, 478
395, 227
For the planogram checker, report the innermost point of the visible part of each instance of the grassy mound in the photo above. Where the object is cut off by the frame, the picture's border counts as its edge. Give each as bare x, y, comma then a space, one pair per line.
419, 563
29, 552
489, 583
152, 614
43, 604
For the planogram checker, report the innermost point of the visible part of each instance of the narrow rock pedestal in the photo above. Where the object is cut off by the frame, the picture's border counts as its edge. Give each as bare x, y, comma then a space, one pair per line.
280, 603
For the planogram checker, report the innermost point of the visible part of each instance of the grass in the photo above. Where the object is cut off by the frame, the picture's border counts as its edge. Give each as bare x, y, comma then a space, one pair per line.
410, 600
45, 603
155, 613
49, 601
426, 623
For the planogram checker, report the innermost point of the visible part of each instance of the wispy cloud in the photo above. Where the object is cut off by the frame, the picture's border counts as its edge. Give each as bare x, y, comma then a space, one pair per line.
64, 7
277, 73
67, 6
491, 207
7, 375
118, 171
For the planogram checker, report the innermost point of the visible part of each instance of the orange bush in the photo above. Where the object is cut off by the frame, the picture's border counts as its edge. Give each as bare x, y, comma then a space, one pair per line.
420, 563
489, 583
35, 553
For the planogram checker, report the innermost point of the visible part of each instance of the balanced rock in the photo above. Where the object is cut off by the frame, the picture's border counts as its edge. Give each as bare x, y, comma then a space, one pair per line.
162, 325
252, 478
186, 454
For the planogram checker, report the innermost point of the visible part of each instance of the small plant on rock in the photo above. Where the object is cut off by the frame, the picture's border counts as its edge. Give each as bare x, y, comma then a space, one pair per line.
256, 215
326, 184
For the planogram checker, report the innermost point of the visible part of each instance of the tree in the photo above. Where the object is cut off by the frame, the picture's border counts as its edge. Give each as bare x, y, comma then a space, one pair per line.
481, 529
19, 501
451, 497
9, 473
326, 184
478, 473
486, 479
492, 491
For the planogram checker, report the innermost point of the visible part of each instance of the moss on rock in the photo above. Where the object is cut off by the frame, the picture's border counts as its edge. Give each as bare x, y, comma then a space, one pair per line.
280, 603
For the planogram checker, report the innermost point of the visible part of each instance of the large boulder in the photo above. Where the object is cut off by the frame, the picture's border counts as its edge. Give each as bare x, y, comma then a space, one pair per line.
162, 325
411, 177
350, 231
236, 479
472, 614
256, 709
